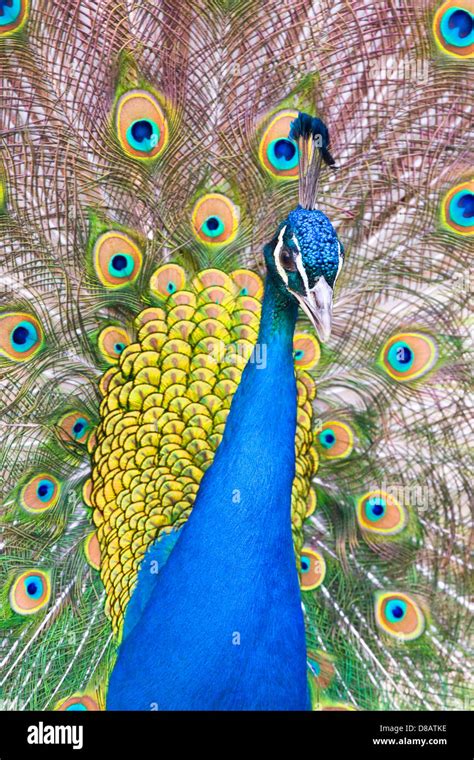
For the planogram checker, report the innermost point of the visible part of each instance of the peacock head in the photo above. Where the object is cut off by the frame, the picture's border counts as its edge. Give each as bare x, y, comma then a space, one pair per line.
306, 256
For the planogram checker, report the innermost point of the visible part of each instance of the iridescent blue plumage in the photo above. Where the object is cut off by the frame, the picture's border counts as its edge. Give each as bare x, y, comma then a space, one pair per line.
318, 242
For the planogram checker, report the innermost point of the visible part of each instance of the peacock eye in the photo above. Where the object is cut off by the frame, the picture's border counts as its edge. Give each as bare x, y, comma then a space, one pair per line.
78, 703
399, 615
112, 341
408, 356
278, 154
13, 14
458, 208
143, 135
380, 513
21, 336
30, 592
288, 260
40, 493
453, 26
215, 219
117, 259
74, 427
141, 125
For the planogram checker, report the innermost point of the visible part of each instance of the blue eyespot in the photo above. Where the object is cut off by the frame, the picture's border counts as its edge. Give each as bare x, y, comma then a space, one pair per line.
143, 135
457, 27
395, 610
400, 356
34, 586
45, 489
119, 347
213, 226
39, 493
76, 707
282, 153
215, 219
23, 336
375, 508
327, 438
461, 208
121, 265
10, 11
171, 287
30, 592
305, 564
79, 428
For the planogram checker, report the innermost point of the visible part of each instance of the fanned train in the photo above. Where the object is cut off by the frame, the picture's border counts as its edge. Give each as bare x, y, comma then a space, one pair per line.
221, 490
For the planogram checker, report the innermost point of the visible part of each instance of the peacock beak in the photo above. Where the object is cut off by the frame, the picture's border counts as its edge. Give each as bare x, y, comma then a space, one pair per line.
317, 305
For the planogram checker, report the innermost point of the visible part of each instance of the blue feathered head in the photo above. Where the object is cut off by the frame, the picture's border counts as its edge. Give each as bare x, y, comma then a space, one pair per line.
307, 253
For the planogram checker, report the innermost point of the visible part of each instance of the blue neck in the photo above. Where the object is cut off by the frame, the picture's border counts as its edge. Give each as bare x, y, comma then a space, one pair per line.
259, 436
254, 466
278, 317
232, 572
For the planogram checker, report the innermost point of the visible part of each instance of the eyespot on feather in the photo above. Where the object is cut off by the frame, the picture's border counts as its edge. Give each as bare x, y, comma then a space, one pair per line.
78, 703
313, 569
141, 125
335, 439
30, 592
398, 615
74, 427
453, 28
277, 152
167, 280
112, 341
306, 351
40, 493
117, 259
215, 219
408, 356
92, 550
13, 17
21, 336
379, 512
457, 211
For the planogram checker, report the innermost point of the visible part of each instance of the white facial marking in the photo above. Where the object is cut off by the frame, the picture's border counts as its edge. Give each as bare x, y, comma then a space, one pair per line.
340, 262
300, 266
276, 255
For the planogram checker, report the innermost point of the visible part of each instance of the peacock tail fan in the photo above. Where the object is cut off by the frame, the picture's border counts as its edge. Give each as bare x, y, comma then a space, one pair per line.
146, 160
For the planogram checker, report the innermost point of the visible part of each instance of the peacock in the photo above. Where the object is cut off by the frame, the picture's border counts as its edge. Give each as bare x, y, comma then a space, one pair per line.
234, 354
